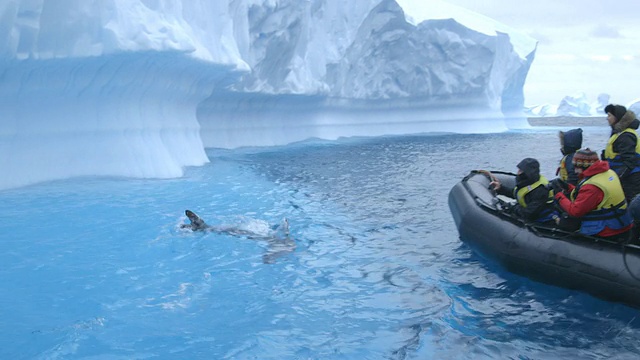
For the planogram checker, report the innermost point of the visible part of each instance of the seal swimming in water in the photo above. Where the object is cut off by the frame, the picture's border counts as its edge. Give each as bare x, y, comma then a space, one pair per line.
197, 224
278, 236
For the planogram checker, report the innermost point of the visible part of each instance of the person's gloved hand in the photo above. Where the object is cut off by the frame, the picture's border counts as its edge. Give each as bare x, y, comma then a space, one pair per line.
563, 184
558, 186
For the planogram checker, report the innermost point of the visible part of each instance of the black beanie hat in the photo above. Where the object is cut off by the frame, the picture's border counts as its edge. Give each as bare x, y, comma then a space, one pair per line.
529, 164
617, 110
530, 172
584, 158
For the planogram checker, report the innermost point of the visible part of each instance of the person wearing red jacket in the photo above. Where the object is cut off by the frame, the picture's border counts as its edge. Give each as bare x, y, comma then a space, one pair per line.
598, 200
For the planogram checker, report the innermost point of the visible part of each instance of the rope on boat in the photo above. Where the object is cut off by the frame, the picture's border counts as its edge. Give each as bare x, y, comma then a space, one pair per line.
626, 264
488, 173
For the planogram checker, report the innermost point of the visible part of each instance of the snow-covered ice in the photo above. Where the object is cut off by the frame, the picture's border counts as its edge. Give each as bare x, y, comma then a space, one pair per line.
139, 88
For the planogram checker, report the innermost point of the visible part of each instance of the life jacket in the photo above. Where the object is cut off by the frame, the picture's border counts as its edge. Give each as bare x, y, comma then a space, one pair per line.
615, 162
562, 171
611, 211
549, 212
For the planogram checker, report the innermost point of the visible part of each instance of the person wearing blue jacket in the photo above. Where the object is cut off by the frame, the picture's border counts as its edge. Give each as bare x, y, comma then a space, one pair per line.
570, 142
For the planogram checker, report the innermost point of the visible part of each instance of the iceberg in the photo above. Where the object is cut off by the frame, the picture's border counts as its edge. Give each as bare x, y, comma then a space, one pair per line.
634, 106
541, 110
576, 105
603, 100
140, 88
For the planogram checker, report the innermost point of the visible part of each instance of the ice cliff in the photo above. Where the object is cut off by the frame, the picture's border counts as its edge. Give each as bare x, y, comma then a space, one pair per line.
139, 88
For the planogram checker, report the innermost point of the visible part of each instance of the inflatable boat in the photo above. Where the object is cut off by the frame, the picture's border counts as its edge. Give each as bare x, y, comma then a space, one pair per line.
603, 268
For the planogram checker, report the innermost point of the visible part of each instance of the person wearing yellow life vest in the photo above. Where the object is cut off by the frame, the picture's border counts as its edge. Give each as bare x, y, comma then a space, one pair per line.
623, 148
598, 199
570, 142
534, 199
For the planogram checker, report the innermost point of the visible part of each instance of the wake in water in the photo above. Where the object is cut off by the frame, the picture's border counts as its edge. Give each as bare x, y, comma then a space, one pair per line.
277, 236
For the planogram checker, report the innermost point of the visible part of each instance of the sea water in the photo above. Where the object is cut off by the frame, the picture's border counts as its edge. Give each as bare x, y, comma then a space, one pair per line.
99, 268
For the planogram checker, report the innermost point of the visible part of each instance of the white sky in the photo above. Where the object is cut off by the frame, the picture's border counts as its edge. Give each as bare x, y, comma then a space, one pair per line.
584, 46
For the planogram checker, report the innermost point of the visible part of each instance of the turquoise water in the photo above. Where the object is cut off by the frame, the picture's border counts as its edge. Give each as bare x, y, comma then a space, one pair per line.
98, 268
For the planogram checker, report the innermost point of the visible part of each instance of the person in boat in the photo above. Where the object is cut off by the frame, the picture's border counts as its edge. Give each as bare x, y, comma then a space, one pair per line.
634, 210
623, 148
598, 200
534, 201
570, 142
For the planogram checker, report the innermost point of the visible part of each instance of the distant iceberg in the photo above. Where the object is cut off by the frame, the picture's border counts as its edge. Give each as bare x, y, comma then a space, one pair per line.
576, 105
634, 106
542, 110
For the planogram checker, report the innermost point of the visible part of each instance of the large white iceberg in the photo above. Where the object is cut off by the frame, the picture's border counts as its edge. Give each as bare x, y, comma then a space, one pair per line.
139, 88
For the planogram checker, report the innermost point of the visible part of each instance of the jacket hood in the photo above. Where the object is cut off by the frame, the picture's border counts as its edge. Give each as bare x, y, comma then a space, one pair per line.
597, 167
530, 172
570, 141
628, 120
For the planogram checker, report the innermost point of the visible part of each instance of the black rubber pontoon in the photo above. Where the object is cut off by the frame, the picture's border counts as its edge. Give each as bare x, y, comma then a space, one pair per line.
603, 268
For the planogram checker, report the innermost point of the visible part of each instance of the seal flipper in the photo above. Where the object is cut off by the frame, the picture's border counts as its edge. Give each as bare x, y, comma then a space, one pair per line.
196, 222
